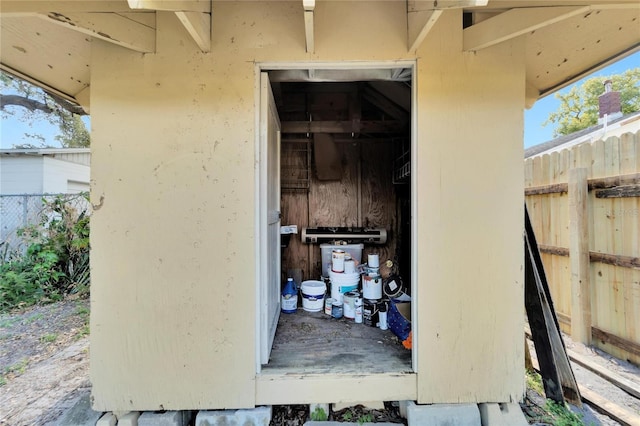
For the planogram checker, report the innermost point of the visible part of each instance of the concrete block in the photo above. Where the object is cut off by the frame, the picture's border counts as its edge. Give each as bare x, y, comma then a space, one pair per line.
259, 416
443, 415
493, 414
166, 418
109, 419
81, 414
402, 407
129, 419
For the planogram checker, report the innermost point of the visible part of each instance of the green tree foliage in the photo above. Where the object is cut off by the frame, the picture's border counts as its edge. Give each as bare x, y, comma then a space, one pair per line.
31, 104
579, 107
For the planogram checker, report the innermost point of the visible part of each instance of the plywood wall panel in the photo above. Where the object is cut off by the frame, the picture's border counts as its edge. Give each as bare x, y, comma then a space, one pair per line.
378, 195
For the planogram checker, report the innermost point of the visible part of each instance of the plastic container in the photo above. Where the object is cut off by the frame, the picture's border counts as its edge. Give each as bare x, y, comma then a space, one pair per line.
355, 250
289, 301
313, 295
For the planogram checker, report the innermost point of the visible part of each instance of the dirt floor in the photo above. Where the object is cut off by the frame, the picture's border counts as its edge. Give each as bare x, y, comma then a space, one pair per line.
44, 360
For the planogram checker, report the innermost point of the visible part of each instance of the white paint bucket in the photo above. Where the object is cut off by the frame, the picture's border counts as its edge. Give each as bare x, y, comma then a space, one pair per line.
350, 304
372, 287
337, 260
373, 260
343, 283
313, 295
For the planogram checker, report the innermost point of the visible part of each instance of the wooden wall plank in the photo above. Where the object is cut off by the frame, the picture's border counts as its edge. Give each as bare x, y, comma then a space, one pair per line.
378, 196
295, 211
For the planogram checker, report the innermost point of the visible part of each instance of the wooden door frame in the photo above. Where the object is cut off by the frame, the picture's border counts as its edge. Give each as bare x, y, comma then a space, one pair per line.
342, 65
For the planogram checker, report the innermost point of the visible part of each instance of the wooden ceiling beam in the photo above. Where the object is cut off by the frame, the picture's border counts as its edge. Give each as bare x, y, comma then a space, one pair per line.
198, 25
366, 126
422, 15
202, 6
110, 27
419, 23
309, 6
514, 23
195, 16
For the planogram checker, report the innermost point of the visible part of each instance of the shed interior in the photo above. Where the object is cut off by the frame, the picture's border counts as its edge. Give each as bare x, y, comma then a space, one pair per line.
345, 163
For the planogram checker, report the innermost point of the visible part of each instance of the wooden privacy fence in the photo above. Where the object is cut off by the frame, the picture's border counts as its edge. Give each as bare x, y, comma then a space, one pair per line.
584, 204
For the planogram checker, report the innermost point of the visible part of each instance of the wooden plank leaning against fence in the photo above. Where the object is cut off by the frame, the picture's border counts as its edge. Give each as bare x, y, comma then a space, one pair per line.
584, 204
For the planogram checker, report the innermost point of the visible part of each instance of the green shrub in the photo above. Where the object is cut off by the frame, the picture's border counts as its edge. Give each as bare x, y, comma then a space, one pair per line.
56, 261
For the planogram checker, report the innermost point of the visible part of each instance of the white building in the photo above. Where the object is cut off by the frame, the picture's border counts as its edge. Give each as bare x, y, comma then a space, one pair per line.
44, 171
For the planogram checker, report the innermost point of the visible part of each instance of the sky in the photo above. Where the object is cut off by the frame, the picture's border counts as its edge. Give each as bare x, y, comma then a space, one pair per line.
534, 132
12, 131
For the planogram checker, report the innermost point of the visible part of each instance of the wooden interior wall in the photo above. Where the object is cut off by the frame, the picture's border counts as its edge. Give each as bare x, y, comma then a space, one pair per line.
614, 230
365, 196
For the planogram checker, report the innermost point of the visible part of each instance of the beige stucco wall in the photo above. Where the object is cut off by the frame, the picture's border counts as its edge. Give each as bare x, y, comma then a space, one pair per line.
173, 232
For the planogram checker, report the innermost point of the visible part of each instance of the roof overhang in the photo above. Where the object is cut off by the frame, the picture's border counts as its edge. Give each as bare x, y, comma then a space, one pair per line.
49, 42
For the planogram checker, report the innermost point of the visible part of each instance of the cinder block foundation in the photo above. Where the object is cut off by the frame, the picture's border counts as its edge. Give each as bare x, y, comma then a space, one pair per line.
167, 418
260, 416
129, 419
443, 415
502, 415
108, 419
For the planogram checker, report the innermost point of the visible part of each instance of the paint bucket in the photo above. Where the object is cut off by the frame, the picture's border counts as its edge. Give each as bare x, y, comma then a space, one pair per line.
358, 303
370, 314
373, 260
372, 286
336, 310
328, 303
393, 287
337, 260
355, 250
350, 304
343, 283
349, 266
313, 295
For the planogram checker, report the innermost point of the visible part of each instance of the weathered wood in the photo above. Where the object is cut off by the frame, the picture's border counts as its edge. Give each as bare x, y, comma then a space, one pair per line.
609, 259
620, 414
378, 195
555, 188
632, 180
613, 181
558, 379
619, 342
579, 254
619, 192
616, 260
558, 251
603, 405
312, 342
611, 376
606, 337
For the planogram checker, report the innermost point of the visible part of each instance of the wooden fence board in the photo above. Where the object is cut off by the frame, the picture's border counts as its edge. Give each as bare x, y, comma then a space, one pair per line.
614, 233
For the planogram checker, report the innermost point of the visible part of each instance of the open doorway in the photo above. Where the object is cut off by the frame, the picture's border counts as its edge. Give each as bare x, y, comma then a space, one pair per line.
345, 168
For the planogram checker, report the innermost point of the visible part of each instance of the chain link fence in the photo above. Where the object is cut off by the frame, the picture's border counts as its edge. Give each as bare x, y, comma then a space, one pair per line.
20, 211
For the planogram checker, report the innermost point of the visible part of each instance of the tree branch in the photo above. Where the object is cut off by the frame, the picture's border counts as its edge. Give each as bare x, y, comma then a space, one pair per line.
35, 105
30, 104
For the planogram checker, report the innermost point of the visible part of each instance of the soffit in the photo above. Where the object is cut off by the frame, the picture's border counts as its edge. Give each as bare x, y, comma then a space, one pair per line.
51, 55
49, 42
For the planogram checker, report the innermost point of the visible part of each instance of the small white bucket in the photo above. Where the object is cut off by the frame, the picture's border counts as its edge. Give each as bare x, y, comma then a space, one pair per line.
313, 295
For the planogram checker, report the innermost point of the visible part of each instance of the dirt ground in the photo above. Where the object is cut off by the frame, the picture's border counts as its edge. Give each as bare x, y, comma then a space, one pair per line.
44, 363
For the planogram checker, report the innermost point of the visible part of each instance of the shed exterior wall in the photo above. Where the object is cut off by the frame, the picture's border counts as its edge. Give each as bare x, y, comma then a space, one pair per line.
174, 227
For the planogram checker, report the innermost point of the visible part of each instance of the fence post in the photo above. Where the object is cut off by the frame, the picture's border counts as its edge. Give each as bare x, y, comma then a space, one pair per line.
579, 256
